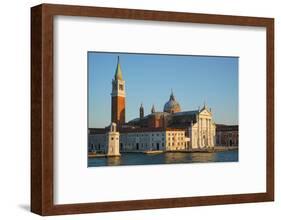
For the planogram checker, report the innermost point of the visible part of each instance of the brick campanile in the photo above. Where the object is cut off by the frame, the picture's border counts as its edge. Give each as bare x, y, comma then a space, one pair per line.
118, 97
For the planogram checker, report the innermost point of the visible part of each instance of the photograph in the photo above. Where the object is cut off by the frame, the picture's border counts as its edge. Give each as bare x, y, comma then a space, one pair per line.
148, 109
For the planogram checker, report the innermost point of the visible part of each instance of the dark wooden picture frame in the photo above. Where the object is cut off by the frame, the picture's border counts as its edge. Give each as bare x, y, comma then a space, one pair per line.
42, 108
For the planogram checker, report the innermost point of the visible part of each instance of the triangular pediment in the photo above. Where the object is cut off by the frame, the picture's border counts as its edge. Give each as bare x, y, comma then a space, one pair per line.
206, 112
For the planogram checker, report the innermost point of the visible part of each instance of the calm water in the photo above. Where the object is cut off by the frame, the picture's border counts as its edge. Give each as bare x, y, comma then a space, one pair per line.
164, 158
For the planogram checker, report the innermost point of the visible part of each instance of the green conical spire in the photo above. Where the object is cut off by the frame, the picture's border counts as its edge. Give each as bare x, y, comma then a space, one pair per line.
118, 72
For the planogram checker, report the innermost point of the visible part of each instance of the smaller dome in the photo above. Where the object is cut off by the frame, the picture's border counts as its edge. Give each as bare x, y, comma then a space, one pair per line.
172, 106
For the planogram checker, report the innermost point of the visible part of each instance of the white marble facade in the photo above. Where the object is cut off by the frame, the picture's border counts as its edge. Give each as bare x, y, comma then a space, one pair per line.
202, 133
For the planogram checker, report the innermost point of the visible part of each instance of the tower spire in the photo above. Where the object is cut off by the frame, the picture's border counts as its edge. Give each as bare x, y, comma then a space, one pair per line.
141, 111
172, 97
118, 71
153, 109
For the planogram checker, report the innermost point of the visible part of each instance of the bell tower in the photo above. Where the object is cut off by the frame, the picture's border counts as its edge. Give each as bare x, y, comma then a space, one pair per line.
118, 97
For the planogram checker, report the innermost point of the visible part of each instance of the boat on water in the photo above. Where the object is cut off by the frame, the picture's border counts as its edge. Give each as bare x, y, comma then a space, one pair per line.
153, 152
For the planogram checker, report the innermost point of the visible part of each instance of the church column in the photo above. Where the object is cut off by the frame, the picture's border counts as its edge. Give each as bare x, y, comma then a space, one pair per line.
207, 132
198, 132
210, 130
204, 122
211, 127
201, 132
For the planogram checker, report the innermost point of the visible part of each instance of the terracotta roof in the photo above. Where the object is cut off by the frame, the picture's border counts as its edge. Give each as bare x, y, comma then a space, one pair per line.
141, 130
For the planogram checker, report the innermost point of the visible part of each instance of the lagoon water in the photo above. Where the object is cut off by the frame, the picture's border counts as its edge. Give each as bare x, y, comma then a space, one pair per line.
164, 158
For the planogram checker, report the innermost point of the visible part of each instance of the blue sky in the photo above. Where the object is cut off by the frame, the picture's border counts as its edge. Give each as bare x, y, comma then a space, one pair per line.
149, 79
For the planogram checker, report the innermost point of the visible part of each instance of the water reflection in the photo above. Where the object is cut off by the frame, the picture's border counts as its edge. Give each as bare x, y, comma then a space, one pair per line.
203, 157
113, 161
177, 157
164, 158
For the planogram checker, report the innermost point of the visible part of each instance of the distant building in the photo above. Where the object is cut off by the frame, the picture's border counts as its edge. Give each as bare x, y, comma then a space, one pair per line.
169, 130
227, 135
140, 140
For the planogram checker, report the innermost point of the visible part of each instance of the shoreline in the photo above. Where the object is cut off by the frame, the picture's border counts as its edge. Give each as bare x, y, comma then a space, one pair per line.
202, 150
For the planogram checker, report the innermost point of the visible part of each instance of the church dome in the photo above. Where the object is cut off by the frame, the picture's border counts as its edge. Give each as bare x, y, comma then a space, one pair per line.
172, 106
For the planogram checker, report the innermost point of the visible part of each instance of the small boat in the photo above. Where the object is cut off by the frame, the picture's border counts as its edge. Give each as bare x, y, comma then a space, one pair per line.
153, 152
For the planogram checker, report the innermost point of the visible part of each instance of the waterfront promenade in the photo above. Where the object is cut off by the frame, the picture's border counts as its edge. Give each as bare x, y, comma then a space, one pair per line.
197, 150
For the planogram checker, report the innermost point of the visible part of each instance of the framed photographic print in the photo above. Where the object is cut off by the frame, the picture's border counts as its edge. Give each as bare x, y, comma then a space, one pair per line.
138, 109
169, 131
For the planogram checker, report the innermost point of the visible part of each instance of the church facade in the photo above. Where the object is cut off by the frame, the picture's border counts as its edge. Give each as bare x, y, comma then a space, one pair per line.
169, 130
